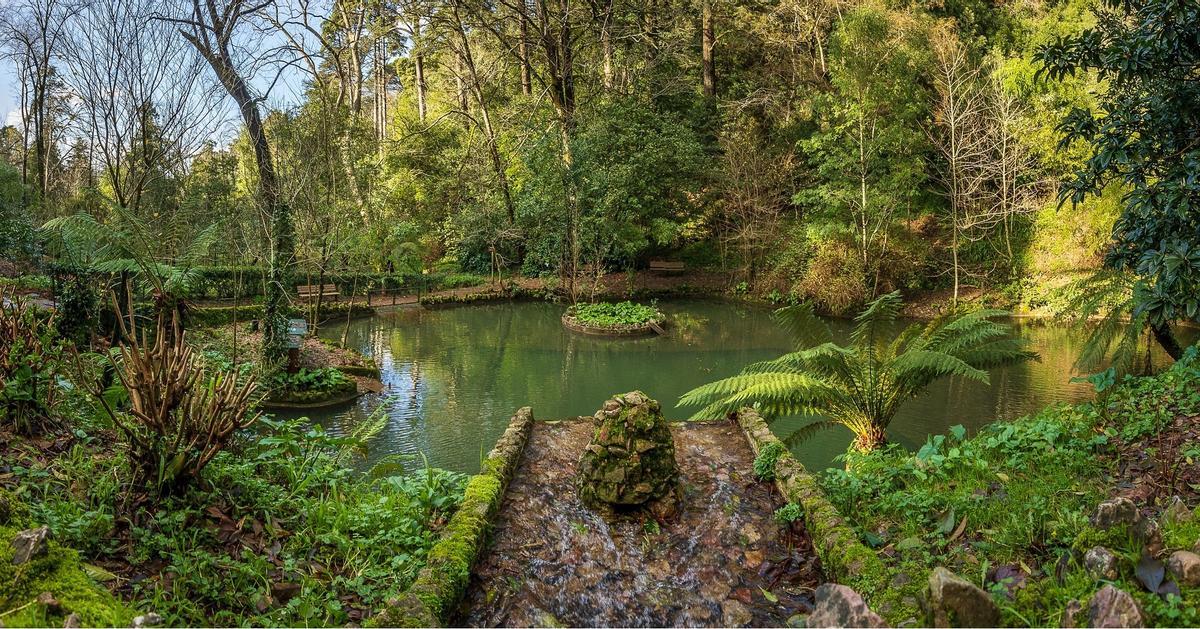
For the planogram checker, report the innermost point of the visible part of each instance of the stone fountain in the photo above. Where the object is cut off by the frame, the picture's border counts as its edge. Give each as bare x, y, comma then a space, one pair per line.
630, 461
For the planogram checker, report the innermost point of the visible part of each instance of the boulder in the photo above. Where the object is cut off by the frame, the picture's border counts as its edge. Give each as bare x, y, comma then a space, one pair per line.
150, 619
1186, 567
955, 602
839, 606
1115, 512
1101, 563
1114, 607
29, 544
630, 460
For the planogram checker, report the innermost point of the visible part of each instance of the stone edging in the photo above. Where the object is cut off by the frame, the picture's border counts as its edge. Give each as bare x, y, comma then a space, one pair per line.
439, 587
642, 329
843, 557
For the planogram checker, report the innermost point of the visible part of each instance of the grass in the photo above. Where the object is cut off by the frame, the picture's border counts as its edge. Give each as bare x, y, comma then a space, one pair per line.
1017, 496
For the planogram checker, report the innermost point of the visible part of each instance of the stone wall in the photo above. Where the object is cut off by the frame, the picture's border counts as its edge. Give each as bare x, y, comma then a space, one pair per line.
432, 598
843, 557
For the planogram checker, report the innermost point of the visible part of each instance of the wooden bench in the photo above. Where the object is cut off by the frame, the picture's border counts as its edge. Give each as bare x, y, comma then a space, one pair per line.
312, 291
666, 266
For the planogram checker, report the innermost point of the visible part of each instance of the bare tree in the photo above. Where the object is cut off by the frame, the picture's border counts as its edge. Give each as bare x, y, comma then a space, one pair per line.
211, 28
129, 73
960, 135
32, 32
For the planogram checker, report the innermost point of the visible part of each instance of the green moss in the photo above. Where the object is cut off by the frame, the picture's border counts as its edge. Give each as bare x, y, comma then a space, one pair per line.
60, 573
441, 584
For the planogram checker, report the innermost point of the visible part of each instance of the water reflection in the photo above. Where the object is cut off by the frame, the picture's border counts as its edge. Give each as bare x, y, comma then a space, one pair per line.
455, 376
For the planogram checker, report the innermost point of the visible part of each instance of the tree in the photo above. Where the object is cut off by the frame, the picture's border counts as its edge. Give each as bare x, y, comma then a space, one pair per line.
211, 29
33, 31
1143, 135
144, 101
861, 385
868, 149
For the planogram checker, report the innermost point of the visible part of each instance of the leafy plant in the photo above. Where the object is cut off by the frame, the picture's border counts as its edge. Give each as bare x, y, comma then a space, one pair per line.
861, 385
1142, 134
29, 363
789, 513
180, 416
605, 314
764, 463
321, 379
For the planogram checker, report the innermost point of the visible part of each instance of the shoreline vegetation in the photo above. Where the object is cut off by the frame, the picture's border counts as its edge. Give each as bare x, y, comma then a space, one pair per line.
996, 508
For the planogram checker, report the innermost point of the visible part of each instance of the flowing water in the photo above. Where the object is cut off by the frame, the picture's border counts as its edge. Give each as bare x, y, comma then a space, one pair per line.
454, 376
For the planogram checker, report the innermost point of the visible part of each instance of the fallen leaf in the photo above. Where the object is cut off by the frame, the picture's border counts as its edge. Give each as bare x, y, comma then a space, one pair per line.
962, 526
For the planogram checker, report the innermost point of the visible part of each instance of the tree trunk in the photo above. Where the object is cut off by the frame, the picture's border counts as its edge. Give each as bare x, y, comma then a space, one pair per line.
523, 52
708, 42
606, 45
1166, 338
419, 69
282, 240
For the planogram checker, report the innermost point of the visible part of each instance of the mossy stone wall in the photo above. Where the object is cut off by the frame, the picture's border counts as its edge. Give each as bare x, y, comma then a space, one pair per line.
431, 599
844, 558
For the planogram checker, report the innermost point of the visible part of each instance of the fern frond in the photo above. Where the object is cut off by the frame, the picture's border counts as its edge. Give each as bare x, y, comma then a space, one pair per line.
804, 326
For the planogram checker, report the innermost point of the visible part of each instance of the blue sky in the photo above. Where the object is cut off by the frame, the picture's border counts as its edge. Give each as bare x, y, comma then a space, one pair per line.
287, 91
8, 92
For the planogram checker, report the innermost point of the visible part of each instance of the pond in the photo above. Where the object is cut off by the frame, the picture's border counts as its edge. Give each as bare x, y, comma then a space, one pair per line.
454, 376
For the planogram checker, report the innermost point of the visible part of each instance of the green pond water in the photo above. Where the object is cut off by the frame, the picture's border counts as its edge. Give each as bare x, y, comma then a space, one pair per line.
454, 376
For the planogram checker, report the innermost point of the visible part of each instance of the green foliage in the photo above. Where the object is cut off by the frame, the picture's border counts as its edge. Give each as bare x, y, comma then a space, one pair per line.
30, 362
17, 237
345, 542
317, 383
788, 513
861, 385
630, 187
1142, 134
611, 315
1017, 494
764, 463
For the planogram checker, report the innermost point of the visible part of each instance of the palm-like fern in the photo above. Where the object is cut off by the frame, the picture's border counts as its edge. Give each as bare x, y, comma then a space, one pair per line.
1103, 305
863, 384
127, 246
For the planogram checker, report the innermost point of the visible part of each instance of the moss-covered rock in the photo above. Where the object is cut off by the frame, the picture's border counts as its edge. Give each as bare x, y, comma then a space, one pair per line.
60, 573
631, 458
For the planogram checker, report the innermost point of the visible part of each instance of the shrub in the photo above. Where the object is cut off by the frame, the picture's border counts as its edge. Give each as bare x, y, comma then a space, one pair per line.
310, 385
29, 363
180, 416
835, 280
764, 463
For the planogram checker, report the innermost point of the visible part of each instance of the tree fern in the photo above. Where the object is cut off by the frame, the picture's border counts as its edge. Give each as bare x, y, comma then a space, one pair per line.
863, 384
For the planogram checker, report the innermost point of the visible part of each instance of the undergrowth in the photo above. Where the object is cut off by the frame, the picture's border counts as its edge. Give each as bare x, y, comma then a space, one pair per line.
281, 531
1008, 508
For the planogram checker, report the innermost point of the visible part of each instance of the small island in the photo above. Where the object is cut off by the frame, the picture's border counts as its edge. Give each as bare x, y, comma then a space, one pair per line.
614, 319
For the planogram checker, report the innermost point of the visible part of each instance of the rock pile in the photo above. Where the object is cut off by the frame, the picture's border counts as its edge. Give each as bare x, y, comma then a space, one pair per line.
631, 458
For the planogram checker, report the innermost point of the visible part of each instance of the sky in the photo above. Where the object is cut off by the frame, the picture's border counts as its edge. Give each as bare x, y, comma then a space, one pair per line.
287, 91
9, 94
